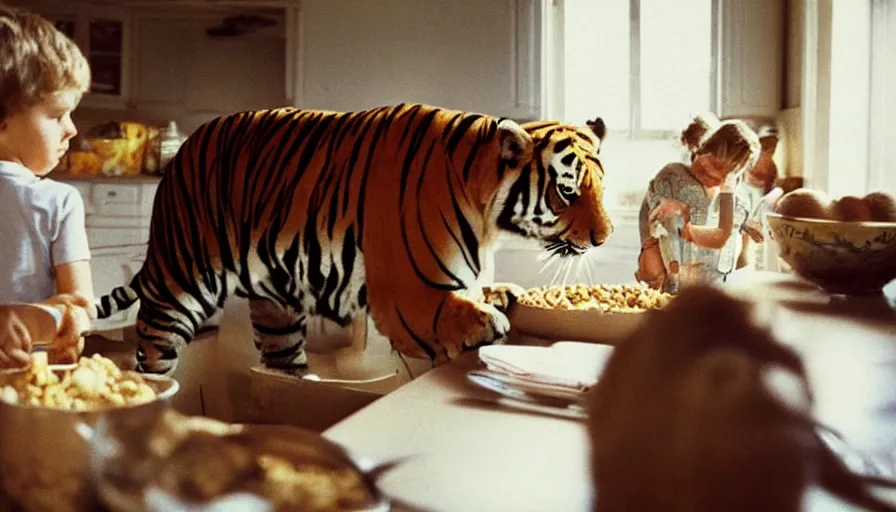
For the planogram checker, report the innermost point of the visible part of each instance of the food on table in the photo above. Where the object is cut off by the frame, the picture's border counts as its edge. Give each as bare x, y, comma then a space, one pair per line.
501, 295
292, 486
95, 383
814, 204
608, 298
201, 460
850, 209
882, 206
805, 202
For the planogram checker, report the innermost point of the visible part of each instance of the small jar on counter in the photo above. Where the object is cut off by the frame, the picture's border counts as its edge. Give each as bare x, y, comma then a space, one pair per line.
169, 141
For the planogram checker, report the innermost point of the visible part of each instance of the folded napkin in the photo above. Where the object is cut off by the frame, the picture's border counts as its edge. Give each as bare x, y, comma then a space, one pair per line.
567, 364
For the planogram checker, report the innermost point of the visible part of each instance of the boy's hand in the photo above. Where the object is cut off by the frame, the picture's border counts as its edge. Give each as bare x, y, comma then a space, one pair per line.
69, 343
15, 341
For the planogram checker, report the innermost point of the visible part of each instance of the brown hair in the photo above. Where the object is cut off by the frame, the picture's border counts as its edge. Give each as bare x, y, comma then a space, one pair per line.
734, 143
701, 125
36, 59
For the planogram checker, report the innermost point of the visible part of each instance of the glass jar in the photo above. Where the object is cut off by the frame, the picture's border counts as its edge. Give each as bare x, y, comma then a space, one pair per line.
170, 141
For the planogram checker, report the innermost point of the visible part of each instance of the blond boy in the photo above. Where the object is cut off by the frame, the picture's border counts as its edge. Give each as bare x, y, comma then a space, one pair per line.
43, 242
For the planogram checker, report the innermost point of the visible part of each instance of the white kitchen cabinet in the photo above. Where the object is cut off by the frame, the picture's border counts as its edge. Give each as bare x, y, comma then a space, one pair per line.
751, 58
103, 34
178, 66
464, 54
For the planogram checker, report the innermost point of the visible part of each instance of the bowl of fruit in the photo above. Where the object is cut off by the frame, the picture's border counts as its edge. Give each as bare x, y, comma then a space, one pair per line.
845, 246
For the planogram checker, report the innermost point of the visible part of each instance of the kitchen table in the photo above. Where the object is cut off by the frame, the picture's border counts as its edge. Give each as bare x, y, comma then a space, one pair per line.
463, 453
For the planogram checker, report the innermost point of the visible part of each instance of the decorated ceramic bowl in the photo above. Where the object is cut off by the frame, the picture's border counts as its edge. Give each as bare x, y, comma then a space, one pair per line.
852, 258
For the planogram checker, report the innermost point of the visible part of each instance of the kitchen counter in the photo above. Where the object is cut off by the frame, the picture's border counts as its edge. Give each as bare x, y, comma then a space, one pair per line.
139, 179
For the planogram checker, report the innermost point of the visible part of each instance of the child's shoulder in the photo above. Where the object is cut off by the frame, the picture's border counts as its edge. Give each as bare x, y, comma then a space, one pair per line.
59, 187
64, 193
673, 170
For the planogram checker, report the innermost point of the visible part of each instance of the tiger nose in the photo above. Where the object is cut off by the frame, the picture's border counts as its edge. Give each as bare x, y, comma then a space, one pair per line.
599, 237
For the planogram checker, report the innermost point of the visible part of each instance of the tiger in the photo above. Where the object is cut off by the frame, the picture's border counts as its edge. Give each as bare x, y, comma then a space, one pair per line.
389, 212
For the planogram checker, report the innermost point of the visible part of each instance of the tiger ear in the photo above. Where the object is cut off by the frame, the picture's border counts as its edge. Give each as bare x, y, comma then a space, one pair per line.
598, 127
516, 143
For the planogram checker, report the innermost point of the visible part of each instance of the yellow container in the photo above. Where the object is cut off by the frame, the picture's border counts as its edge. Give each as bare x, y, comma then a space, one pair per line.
112, 156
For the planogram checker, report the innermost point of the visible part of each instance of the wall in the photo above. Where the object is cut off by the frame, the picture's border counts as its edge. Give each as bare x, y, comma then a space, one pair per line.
793, 62
464, 54
182, 74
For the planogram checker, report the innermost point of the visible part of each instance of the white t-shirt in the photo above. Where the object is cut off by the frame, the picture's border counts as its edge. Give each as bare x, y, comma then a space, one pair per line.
41, 226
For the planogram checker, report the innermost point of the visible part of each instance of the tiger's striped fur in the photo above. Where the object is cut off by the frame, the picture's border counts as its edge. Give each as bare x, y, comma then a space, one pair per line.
390, 209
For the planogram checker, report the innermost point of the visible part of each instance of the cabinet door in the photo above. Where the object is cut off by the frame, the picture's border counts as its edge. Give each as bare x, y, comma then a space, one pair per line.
752, 35
115, 266
362, 54
103, 33
106, 42
178, 66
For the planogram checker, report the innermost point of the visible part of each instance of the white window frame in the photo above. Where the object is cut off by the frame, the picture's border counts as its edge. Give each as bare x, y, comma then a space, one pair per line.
882, 130
553, 32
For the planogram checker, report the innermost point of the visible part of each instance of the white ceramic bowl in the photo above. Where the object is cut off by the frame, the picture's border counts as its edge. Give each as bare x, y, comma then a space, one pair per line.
852, 258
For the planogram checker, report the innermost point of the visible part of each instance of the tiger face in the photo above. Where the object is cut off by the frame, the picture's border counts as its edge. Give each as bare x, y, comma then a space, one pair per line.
558, 196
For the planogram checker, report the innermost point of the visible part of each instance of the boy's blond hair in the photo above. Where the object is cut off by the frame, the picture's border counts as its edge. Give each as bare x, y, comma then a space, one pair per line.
36, 59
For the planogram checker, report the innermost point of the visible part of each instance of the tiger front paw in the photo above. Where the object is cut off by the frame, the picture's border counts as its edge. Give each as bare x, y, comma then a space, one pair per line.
465, 326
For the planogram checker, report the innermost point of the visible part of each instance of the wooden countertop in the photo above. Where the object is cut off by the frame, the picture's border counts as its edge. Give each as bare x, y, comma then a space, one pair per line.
139, 179
464, 454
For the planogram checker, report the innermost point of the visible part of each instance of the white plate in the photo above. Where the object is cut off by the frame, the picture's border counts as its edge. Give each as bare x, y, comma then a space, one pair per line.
570, 364
528, 397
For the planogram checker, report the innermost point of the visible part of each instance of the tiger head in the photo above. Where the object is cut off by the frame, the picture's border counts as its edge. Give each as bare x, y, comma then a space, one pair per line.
558, 195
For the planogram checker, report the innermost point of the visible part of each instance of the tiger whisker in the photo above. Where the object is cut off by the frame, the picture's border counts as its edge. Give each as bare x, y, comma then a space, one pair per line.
569, 264
555, 280
589, 273
547, 262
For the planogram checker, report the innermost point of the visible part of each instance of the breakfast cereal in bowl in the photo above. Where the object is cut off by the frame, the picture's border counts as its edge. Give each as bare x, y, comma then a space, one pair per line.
48, 415
606, 298
601, 313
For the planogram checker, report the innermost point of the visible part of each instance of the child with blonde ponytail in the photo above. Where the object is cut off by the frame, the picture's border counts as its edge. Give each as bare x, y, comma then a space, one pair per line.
692, 208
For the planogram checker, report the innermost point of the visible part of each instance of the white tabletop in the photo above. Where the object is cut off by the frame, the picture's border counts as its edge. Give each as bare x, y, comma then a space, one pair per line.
467, 455
463, 453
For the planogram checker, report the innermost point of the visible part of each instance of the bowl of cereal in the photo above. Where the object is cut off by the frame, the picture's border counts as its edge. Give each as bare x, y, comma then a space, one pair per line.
197, 463
48, 415
603, 313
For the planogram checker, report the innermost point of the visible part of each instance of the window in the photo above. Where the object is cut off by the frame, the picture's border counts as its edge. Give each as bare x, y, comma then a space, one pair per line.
882, 129
645, 67
848, 110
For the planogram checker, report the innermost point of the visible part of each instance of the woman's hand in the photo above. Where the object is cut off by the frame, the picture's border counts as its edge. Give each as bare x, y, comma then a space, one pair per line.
15, 341
668, 208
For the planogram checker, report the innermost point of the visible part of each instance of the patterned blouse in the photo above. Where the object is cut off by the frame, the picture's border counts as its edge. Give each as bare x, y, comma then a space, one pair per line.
675, 181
